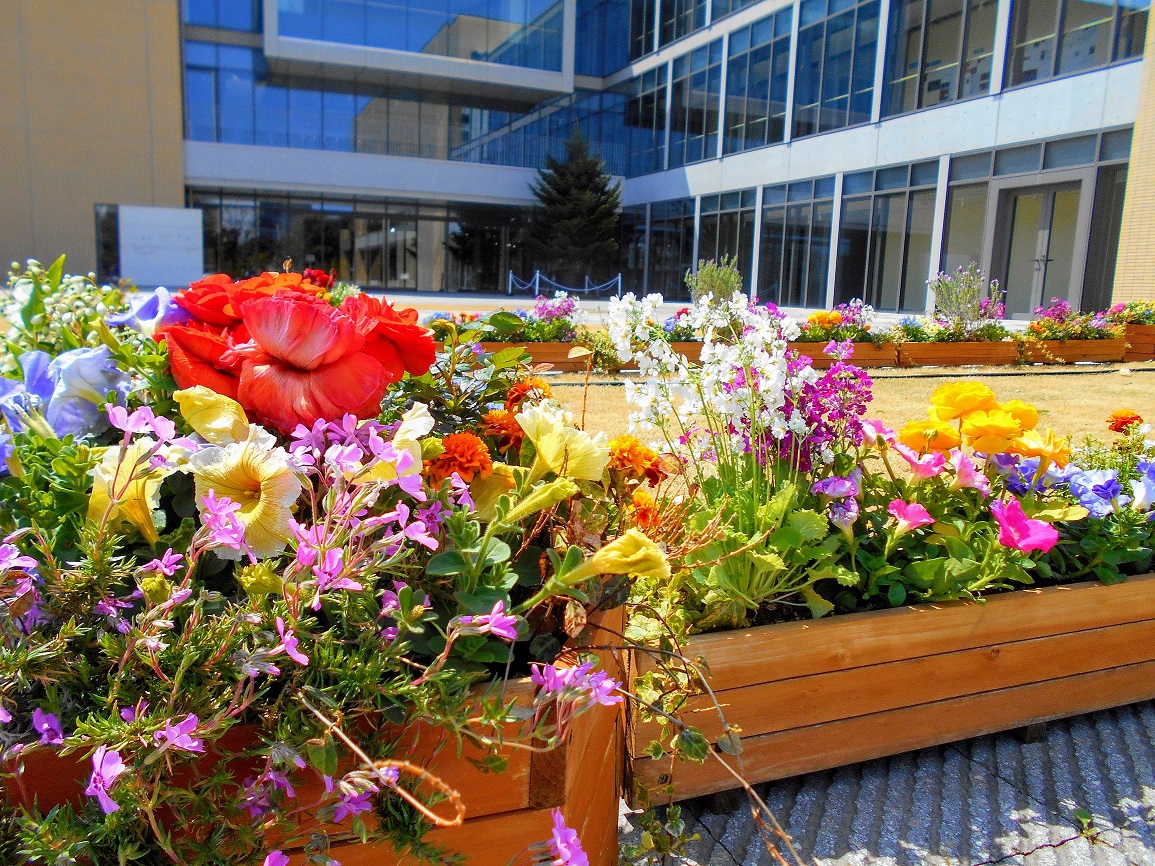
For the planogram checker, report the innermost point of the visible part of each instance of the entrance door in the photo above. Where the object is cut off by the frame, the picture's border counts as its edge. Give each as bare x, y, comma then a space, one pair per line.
1039, 255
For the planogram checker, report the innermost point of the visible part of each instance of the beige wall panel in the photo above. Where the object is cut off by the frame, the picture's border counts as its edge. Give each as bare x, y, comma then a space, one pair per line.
1135, 268
95, 90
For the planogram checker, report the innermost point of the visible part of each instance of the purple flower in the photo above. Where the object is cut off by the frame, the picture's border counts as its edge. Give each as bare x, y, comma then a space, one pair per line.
843, 351
289, 644
496, 622
353, 804
564, 844
83, 379
579, 684
149, 312
48, 726
179, 736
835, 487
10, 558
280, 780
5, 716
843, 514
106, 769
1099, 491
131, 714
276, 858
256, 798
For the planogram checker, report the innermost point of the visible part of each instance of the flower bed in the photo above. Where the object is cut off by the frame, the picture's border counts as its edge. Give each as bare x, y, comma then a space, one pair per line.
987, 354
809, 696
864, 354
1140, 342
1073, 351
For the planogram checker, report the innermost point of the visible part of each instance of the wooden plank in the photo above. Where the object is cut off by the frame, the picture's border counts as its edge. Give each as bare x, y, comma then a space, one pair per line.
821, 747
803, 701
776, 652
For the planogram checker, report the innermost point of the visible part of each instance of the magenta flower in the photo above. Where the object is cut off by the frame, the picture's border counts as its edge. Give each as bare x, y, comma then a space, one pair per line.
923, 466
968, 474
873, 431
564, 844
1020, 532
276, 858
496, 622
106, 769
5, 716
168, 564
48, 726
289, 644
179, 736
139, 421
835, 487
220, 519
10, 558
582, 683
910, 516
328, 571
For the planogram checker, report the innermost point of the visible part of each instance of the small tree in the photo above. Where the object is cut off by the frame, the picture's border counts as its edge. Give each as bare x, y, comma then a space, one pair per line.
574, 229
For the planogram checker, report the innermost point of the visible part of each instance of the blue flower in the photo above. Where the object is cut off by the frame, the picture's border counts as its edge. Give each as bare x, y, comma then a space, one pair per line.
1099, 491
67, 392
150, 312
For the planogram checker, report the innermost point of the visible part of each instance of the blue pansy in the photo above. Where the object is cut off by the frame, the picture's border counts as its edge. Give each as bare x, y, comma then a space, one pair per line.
1099, 491
68, 391
151, 311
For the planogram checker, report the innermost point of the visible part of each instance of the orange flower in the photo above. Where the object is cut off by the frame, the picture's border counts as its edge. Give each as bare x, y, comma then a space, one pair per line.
500, 424
646, 513
1122, 419
527, 388
634, 460
464, 454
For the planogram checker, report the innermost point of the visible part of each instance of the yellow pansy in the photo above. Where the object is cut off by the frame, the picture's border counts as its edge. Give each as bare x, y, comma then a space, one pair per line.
256, 474
1026, 414
219, 419
929, 434
958, 399
991, 432
126, 486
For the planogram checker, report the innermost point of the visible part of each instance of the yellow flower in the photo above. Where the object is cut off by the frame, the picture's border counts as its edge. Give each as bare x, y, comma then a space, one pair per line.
540, 498
256, 474
1026, 414
1048, 448
631, 553
958, 399
929, 434
219, 419
562, 449
991, 432
485, 491
127, 489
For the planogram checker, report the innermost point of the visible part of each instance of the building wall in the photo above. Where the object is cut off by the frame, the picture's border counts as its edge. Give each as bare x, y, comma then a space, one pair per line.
1135, 267
92, 114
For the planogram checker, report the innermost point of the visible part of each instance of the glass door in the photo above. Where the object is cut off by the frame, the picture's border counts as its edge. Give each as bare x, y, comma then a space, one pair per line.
1040, 245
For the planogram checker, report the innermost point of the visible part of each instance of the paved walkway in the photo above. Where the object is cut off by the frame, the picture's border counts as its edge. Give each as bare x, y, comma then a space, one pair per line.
983, 801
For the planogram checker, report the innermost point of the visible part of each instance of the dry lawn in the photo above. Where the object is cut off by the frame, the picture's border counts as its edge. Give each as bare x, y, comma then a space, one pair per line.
1076, 404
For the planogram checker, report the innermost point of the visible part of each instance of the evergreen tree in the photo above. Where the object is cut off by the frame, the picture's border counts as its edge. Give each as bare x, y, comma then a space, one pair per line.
574, 229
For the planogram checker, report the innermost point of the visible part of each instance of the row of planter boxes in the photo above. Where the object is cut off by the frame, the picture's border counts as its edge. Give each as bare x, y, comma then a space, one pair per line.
1134, 348
806, 696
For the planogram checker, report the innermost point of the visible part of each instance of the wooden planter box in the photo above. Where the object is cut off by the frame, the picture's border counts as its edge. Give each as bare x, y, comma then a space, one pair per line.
691, 349
866, 354
814, 695
505, 812
1140, 343
1070, 351
957, 354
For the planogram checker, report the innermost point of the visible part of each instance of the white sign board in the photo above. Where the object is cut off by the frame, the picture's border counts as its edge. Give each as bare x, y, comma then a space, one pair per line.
161, 246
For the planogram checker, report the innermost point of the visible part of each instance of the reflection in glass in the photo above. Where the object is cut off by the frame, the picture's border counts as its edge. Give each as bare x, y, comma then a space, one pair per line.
671, 247
794, 251
966, 211
757, 76
834, 67
694, 94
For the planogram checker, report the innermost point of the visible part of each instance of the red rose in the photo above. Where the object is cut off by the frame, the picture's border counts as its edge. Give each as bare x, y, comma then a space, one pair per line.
394, 337
210, 300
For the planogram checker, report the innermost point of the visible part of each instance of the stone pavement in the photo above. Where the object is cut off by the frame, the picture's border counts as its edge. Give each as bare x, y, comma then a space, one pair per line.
989, 800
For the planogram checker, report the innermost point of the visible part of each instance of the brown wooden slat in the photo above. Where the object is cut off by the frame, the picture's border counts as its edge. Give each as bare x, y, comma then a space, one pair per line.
770, 653
804, 701
820, 747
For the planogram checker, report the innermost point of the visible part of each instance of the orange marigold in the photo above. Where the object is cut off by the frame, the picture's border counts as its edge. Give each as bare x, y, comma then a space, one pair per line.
1122, 419
502, 426
529, 387
646, 513
634, 460
464, 454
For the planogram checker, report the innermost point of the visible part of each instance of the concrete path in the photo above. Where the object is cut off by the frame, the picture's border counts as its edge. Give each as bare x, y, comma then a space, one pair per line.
991, 800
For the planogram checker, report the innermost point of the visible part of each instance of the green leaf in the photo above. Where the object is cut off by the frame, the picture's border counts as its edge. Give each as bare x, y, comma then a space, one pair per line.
498, 552
505, 322
819, 606
692, 745
655, 750
841, 573
729, 743
809, 524
55, 274
448, 563
896, 595
323, 756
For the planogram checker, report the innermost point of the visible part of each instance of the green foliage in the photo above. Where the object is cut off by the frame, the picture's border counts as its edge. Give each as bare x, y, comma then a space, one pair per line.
605, 358
718, 279
574, 232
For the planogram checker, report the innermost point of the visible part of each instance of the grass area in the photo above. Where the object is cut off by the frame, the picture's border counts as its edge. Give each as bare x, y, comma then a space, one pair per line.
1075, 404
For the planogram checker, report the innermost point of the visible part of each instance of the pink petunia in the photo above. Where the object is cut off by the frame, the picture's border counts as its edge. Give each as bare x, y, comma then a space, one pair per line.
564, 844
910, 516
967, 473
1020, 532
923, 466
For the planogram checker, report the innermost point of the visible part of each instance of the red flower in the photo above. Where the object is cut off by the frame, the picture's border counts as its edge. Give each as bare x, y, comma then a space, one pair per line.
319, 278
289, 357
196, 357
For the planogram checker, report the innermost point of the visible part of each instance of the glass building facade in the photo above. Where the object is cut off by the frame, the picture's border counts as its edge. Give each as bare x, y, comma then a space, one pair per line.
663, 88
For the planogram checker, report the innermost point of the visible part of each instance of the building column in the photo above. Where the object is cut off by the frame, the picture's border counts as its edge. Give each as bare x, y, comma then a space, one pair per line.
755, 260
835, 232
1135, 266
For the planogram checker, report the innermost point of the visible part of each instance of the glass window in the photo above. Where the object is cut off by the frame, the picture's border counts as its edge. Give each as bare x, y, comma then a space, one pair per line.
694, 95
641, 28
225, 14
671, 248
727, 230
680, 18
1014, 160
1070, 151
756, 83
794, 249
966, 211
834, 68
884, 243
200, 104
602, 36
1116, 145
1050, 38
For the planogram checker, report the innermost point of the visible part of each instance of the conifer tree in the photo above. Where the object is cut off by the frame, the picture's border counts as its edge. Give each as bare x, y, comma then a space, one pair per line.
574, 229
